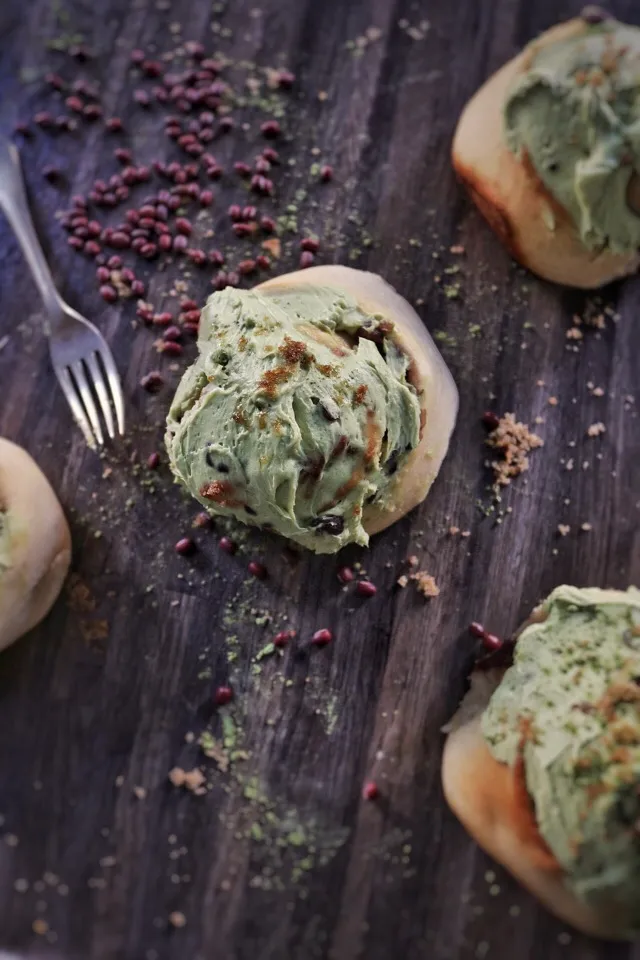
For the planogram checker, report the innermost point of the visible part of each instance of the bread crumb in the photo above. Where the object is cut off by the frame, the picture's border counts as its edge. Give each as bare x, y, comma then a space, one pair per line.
597, 392
40, 926
540, 383
453, 531
514, 440
402, 581
586, 527
564, 529
177, 919
574, 333
413, 560
140, 792
553, 401
596, 429
426, 584
456, 248
465, 533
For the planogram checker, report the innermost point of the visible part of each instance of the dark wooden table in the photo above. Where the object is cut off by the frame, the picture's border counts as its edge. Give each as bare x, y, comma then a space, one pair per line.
101, 857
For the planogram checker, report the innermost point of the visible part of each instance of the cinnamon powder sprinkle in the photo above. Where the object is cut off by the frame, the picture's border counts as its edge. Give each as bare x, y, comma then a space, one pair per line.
514, 441
293, 351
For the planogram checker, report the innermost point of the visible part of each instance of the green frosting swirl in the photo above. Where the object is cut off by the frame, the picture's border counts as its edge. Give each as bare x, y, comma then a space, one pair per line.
295, 415
575, 683
575, 111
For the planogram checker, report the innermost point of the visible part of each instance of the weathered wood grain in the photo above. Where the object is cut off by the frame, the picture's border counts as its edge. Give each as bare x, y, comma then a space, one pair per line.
281, 858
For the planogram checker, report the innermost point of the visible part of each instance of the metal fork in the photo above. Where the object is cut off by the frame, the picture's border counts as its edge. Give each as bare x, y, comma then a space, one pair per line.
80, 355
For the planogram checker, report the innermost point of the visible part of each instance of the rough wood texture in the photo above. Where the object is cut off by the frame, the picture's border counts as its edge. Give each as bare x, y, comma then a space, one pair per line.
282, 858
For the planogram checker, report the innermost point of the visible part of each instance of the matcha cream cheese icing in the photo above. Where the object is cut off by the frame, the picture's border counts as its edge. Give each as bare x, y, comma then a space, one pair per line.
575, 113
571, 703
298, 412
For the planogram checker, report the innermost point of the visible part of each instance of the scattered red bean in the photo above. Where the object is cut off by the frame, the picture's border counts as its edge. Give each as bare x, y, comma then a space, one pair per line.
74, 103
282, 638
227, 545
172, 333
321, 638
162, 319
108, 293
262, 165
152, 68
476, 630
137, 288
285, 79
262, 262
490, 419
491, 642
222, 696
271, 129
92, 248
180, 243
206, 198
267, 224
246, 267
271, 155
345, 575
216, 257
370, 791
137, 56
243, 229
310, 243
172, 348
306, 259
103, 275
113, 124
366, 589
142, 98
242, 169
55, 81
249, 213
262, 185
197, 256
185, 546
152, 381
22, 128
326, 173
43, 119
92, 111
184, 226
257, 570
114, 262
153, 460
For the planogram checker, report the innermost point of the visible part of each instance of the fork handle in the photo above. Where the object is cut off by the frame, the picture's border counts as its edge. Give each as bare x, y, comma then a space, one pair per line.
13, 200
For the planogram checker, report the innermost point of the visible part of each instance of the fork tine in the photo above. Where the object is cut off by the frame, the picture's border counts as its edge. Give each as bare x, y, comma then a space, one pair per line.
85, 393
69, 390
101, 390
114, 383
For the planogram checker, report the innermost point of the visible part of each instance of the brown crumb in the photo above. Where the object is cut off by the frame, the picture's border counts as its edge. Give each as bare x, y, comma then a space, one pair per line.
402, 581
596, 429
413, 560
597, 392
456, 248
40, 926
273, 246
553, 401
586, 527
453, 531
177, 775
514, 440
540, 383
177, 919
465, 534
140, 792
564, 529
574, 333
426, 584
191, 779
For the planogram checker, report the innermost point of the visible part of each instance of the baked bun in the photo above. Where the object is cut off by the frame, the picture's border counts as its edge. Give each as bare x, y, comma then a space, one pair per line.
35, 544
428, 374
538, 229
495, 800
